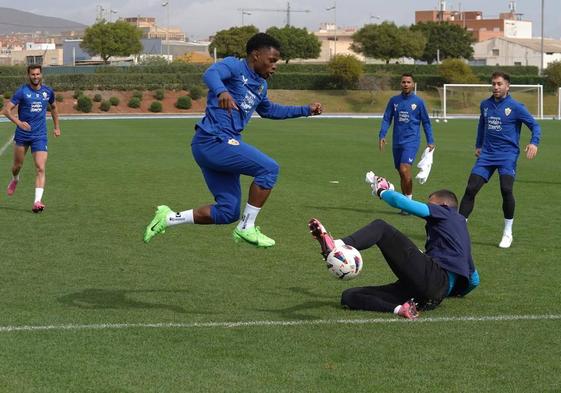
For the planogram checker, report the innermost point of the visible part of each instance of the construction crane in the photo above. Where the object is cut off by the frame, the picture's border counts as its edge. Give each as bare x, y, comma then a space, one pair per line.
287, 10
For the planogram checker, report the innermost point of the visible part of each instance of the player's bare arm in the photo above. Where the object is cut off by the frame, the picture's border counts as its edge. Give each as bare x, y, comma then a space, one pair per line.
7, 111
54, 114
381, 144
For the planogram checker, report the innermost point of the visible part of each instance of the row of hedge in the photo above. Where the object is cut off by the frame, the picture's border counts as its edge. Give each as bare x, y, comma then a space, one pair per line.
185, 81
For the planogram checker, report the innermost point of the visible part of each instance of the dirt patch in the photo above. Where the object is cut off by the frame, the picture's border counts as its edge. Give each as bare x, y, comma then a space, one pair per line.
66, 107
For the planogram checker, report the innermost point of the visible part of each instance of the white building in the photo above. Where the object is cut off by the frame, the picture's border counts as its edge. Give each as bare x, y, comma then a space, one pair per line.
516, 51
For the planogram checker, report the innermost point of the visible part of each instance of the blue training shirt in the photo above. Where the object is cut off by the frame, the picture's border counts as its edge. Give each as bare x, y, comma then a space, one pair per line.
407, 113
498, 131
249, 91
32, 108
448, 240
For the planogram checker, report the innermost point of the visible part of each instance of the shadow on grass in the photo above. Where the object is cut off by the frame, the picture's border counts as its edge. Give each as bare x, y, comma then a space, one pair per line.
16, 209
295, 312
97, 299
538, 182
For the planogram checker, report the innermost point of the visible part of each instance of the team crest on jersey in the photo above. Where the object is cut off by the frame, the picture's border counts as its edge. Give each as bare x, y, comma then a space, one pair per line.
233, 142
507, 111
45, 95
413, 107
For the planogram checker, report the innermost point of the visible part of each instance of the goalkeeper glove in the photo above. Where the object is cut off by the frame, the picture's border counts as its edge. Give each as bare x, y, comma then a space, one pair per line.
378, 184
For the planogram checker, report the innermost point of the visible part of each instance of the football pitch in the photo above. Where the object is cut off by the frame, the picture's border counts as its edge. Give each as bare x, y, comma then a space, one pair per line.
88, 307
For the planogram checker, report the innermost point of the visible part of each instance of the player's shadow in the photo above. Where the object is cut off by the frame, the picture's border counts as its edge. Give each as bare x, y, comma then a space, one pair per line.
97, 299
297, 312
16, 209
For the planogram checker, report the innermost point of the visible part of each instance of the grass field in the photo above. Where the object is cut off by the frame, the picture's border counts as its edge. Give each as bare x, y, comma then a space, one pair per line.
87, 307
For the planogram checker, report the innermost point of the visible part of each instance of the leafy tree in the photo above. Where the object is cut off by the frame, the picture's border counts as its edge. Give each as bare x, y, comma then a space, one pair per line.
386, 41
296, 43
112, 39
553, 73
345, 70
453, 41
232, 41
456, 71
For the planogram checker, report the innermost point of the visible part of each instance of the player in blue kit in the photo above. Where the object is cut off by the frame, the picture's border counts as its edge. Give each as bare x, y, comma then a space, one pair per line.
408, 112
497, 147
445, 269
237, 89
32, 100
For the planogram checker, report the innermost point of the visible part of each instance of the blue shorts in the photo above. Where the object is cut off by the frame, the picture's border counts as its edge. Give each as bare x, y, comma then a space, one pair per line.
404, 155
486, 171
37, 143
222, 160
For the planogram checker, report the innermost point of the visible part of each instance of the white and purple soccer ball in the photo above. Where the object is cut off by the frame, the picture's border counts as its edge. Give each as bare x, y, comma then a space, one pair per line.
344, 262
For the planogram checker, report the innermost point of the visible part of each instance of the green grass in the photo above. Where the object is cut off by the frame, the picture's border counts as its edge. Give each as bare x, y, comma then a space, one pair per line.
83, 262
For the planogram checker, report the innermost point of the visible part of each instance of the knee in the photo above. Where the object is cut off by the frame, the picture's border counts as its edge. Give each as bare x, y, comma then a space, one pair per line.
226, 214
267, 178
349, 298
506, 189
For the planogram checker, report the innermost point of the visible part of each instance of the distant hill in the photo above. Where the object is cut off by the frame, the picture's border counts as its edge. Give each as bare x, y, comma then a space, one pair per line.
16, 21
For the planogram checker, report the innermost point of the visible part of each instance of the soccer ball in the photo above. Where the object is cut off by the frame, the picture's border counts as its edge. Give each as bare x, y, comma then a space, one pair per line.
344, 262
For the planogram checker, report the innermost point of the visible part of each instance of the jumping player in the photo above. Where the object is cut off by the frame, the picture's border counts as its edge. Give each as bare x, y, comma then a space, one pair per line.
32, 100
497, 147
237, 88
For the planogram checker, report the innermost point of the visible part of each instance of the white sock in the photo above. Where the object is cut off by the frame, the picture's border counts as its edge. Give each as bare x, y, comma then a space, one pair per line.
16, 177
249, 215
39, 194
508, 226
409, 196
397, 309
185, 217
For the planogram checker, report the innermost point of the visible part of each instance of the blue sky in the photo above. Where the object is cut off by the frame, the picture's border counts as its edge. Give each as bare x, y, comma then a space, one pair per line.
202, 18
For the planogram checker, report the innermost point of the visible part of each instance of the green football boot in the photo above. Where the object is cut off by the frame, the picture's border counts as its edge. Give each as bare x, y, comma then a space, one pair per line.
158, 223
253, 236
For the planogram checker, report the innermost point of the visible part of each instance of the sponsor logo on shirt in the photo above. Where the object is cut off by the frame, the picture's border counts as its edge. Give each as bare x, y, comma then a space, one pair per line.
233, 142
249, 101
494, 123
403, 117
508, 111
245, 79
36, 106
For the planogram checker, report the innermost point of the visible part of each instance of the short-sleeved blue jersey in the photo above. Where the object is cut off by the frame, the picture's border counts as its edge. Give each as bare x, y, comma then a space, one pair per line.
249, 91
407, 113
32, 108
498, 131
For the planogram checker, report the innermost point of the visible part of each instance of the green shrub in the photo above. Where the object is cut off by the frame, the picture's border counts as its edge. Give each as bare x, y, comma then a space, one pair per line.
155, 107
183, 102
105, 105
159, 94
77, 94
137, 94
345, 70
97, 98
114, 101
195, 92
59, 97
84, 104
134, 102
1, 102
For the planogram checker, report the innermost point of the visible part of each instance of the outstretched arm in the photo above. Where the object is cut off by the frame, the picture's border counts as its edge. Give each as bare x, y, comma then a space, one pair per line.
400, 201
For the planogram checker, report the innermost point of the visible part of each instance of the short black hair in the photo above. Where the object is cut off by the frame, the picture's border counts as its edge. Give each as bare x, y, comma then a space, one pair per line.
34, 67
499, 74
407, 74
446, 195
261, 40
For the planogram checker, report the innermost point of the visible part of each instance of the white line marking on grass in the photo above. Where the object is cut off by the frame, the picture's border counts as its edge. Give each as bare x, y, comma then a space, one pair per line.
6, 145
245, 324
